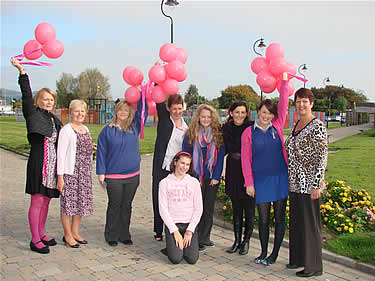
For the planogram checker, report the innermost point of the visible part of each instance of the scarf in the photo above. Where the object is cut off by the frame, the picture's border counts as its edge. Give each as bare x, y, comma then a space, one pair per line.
49, 160
205, 140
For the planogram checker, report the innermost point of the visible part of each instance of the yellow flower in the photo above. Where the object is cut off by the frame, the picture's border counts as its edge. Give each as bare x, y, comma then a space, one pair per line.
351, 230
224, 208
368, 203
325, 219
351, 224
360, 193
335, 222
272, 211
287, 208
344, 200
369, 197
323, 211
339, 229
345, 194
347, 220
365, 198
346, 228
340, 215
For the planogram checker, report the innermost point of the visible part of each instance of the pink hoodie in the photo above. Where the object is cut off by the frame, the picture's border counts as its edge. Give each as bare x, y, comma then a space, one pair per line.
180, 201
246, 138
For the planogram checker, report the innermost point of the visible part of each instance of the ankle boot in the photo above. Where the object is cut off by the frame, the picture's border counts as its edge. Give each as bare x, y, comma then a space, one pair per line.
244, 249
237, 228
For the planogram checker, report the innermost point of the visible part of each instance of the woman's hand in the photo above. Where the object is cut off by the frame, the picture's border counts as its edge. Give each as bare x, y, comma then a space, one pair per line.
179, 240
16, 63
213, 182
101, 179
187, 238
250, 190
285, 76
315, 194
60, 183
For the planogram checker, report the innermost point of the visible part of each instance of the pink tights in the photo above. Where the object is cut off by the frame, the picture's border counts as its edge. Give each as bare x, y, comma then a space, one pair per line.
37, 217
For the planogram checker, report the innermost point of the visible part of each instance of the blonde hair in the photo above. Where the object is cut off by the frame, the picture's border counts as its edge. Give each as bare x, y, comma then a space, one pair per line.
40, 93
77, 103
127, 123
194, 124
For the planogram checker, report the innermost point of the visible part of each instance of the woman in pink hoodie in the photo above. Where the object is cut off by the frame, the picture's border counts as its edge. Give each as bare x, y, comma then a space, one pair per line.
180, 206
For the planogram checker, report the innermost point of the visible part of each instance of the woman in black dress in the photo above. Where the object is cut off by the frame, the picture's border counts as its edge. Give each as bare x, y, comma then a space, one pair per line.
242, 203
42, 133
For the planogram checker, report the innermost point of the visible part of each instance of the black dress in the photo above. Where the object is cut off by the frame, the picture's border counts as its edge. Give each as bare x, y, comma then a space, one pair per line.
234, 181
39, 125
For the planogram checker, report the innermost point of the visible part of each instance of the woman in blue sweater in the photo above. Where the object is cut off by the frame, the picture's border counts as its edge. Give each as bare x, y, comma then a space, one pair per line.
205, 142
117, 164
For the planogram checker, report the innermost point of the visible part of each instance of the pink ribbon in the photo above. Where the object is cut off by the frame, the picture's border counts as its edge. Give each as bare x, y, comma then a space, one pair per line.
38, 63
144, 90
297, 77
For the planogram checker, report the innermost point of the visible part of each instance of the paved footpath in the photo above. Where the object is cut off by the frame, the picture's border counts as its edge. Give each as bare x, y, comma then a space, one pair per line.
141, 261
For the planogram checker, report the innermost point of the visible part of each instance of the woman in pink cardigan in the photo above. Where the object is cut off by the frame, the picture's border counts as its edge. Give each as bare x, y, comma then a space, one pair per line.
181, 207
265, 169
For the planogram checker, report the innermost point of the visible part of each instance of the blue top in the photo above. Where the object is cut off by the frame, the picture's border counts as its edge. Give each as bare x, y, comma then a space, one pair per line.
118, 151
268, 165
218, 168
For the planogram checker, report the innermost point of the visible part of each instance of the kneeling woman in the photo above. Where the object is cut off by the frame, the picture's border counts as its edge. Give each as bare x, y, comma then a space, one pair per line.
181, 207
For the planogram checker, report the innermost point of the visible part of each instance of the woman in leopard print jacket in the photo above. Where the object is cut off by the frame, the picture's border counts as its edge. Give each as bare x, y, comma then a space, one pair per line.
307, 149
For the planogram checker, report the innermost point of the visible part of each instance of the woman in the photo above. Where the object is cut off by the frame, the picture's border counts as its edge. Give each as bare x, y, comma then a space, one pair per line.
170, 134
117, 163
180, 205
264, 166
242, 203
307, 148
42, 133
74, 165
204, 141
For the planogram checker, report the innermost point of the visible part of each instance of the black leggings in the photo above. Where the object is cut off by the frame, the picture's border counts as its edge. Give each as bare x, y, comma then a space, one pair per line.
246, 206
264, 221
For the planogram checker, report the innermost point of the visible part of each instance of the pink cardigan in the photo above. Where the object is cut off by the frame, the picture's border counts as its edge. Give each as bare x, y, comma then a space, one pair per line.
246, 138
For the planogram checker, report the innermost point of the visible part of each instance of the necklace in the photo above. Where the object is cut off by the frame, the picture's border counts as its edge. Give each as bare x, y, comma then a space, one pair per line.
78, 128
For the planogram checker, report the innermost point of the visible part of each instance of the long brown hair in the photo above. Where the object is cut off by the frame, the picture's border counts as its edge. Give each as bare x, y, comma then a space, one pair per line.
194, 124
127, 123
177, 157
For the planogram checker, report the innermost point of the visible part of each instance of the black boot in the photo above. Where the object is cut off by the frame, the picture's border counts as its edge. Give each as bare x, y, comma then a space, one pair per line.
237, 228
244, 249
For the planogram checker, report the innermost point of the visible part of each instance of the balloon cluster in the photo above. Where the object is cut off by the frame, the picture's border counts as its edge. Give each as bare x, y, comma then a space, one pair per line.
166, 77
45, 43
269, 70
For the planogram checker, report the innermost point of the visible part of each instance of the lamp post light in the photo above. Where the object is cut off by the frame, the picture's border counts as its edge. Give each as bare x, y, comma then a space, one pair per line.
301, 68
261, 45
325, 81
170, 3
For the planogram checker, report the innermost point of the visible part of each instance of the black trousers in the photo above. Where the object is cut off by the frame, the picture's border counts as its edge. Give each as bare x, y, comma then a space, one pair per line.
305, 246
175, 254
205, 224
121, 193
158, 222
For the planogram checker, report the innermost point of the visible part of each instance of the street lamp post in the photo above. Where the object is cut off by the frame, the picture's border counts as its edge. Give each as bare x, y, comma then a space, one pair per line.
261, 45
304, 68
171, 3
325, 81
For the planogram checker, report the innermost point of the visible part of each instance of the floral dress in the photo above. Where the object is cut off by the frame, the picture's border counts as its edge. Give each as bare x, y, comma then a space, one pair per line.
77, 198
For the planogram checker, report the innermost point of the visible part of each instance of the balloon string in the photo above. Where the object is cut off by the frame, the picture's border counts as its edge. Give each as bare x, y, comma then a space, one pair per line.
37, 63
297, 77
143, 94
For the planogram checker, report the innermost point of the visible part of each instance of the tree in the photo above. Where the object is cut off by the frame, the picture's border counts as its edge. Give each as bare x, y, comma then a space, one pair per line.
239, 92
192, 97
341, 103
90, 81
66, 90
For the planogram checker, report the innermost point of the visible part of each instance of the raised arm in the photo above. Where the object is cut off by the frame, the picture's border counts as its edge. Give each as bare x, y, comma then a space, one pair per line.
282, 107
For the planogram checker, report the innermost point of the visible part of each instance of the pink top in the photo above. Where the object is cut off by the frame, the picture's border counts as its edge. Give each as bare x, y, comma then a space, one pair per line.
180, 201
246, 138
119, 176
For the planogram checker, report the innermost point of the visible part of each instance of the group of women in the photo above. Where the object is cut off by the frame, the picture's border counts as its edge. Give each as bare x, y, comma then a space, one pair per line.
188, 161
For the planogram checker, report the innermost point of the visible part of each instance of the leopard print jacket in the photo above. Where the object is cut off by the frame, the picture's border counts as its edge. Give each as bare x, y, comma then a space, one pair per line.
307, 157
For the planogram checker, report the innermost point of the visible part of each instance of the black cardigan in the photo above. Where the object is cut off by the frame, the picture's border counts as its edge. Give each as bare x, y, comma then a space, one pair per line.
164, 132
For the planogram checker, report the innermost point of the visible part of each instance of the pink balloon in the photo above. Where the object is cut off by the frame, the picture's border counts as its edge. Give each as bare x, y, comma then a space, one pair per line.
151, 108
158, 95
132, 95
168, 52
135, 77
266, 82
45, 32
290, 87
181, 55
170, 86
126, 71
273, 51
175, 69
182, 77
53, 49
259, 64
277, 66
157, 74
290, 67
33, 45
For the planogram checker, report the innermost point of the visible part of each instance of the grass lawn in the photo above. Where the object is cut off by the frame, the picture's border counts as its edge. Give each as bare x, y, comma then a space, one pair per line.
13, 135
353, 162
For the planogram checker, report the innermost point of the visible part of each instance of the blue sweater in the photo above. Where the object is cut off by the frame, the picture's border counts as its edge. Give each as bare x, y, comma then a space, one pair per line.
118, 151
218, 168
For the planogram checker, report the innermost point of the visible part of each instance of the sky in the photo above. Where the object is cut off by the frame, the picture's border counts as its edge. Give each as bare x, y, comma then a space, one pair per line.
332, 38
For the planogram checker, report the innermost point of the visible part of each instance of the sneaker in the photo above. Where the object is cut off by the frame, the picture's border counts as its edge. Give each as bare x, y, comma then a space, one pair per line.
202, 247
